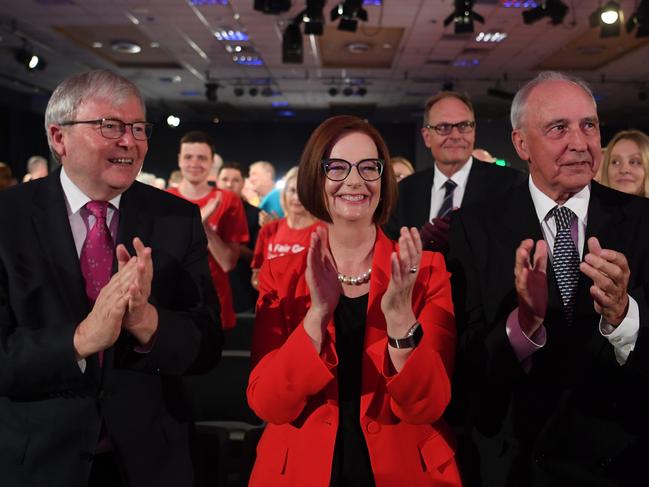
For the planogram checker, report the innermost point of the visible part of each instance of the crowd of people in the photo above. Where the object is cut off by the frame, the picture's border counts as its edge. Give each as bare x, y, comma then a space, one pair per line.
466, 324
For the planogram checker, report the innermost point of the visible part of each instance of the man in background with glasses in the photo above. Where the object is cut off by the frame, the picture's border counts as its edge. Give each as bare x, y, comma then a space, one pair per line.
427, 199
105, 301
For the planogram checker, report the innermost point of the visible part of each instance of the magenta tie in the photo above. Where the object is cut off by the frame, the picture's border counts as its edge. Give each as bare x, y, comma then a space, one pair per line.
97, 252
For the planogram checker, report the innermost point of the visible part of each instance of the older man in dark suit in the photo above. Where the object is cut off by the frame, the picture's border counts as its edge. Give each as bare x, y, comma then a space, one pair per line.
105, 301
552, 365
457, 179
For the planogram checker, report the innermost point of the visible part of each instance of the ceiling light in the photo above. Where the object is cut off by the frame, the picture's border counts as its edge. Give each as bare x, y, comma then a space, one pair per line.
126, 47
556, 10
173, 121
30, 60
231, 35
238, 91
272, 6
292, 44
313, 17
253, 91
361, 91
347, 91
349, 12
463, 17
333, 91
609, 18
640, 18
491, 37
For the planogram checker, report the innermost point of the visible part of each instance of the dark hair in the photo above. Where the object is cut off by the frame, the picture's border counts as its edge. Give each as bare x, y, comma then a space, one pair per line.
442, 95
232, 165
198, 137
311, 177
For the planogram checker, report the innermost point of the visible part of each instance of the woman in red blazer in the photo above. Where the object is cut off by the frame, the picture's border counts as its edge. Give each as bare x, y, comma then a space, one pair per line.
354, 340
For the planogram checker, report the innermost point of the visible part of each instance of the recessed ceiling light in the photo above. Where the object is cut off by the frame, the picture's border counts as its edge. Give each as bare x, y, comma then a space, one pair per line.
154, 45
126, 47
97, 45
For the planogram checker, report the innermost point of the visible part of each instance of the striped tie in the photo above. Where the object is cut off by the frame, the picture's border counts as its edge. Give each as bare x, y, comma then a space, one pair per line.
565, 260
447, 203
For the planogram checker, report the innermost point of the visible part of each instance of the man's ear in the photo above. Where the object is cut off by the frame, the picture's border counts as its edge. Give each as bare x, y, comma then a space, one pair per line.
425, 134
58, 139
518, 139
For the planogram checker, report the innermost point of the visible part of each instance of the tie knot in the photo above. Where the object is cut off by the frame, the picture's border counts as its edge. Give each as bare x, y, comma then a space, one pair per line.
563, 217
449, 185
98, 209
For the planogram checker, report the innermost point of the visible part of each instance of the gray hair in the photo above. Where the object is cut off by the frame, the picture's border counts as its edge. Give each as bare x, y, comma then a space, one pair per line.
520, 100
97, 84
34, 161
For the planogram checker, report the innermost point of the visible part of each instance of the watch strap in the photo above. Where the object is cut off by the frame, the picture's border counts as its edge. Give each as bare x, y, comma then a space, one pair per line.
411, 340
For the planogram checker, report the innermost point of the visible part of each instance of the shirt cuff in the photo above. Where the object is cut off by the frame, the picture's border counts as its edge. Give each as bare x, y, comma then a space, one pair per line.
523, 345
624, 336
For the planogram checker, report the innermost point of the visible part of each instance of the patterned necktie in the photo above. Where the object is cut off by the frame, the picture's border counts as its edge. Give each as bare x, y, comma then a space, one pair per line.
447, 202
97, 253
565, 260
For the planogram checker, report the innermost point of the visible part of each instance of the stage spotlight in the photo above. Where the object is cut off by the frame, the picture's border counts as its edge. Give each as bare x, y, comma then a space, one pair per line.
313, 17
349, 12
361, 91
253, 91
238, 91
292, 44
609, 18
463, 17
272, 6
267, 92
173, 121
333, 91
210, 90
640, 18
348, 91
556, 10
29, 59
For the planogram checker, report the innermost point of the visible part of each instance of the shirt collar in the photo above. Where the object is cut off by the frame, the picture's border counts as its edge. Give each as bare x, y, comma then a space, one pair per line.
543, 204
76, 198
459, 178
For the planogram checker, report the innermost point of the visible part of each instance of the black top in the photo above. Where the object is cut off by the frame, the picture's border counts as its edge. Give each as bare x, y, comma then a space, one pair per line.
351, 462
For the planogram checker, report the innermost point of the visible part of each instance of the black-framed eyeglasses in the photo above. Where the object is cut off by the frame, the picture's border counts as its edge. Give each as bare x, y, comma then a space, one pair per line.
464, 127
339, 169
111, 128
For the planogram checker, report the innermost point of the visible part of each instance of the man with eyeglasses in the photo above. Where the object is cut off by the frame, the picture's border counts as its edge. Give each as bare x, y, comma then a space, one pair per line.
105, 302
427, 198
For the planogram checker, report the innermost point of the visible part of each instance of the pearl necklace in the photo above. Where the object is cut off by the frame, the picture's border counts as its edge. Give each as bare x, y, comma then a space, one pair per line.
355, 280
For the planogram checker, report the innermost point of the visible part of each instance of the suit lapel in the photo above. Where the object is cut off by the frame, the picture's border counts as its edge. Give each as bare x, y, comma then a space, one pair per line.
54, 235
476, 189
420, 210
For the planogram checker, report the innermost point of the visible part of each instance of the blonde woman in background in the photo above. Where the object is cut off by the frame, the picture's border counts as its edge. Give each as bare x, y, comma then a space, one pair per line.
288, 235
402, 167
626, 163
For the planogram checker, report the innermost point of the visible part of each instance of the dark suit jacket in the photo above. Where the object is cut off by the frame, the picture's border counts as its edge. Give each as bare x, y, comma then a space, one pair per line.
243, 294
51, 412
413, 206
577, 417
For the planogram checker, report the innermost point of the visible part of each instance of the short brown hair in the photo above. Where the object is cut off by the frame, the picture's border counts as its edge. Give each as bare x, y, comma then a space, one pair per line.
311, 177
198, 137
463, 97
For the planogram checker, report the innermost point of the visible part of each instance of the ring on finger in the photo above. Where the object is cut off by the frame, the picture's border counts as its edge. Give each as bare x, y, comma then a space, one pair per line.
413, 269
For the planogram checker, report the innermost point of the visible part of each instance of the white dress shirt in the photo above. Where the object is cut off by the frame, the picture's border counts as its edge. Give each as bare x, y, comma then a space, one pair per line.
624, 336
438, 191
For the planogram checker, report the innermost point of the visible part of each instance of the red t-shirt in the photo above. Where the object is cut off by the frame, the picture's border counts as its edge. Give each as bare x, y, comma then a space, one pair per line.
276, 238
229, 218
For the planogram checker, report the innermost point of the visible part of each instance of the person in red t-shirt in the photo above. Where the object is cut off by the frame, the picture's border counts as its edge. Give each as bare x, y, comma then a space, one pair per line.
223, 215
288, 235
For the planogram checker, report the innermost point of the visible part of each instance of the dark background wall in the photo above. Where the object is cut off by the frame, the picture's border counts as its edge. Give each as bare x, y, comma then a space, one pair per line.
22, 135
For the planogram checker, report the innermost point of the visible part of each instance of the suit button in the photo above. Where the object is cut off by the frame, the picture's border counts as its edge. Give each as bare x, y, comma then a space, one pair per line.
605, 462
373, 427
539, 457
